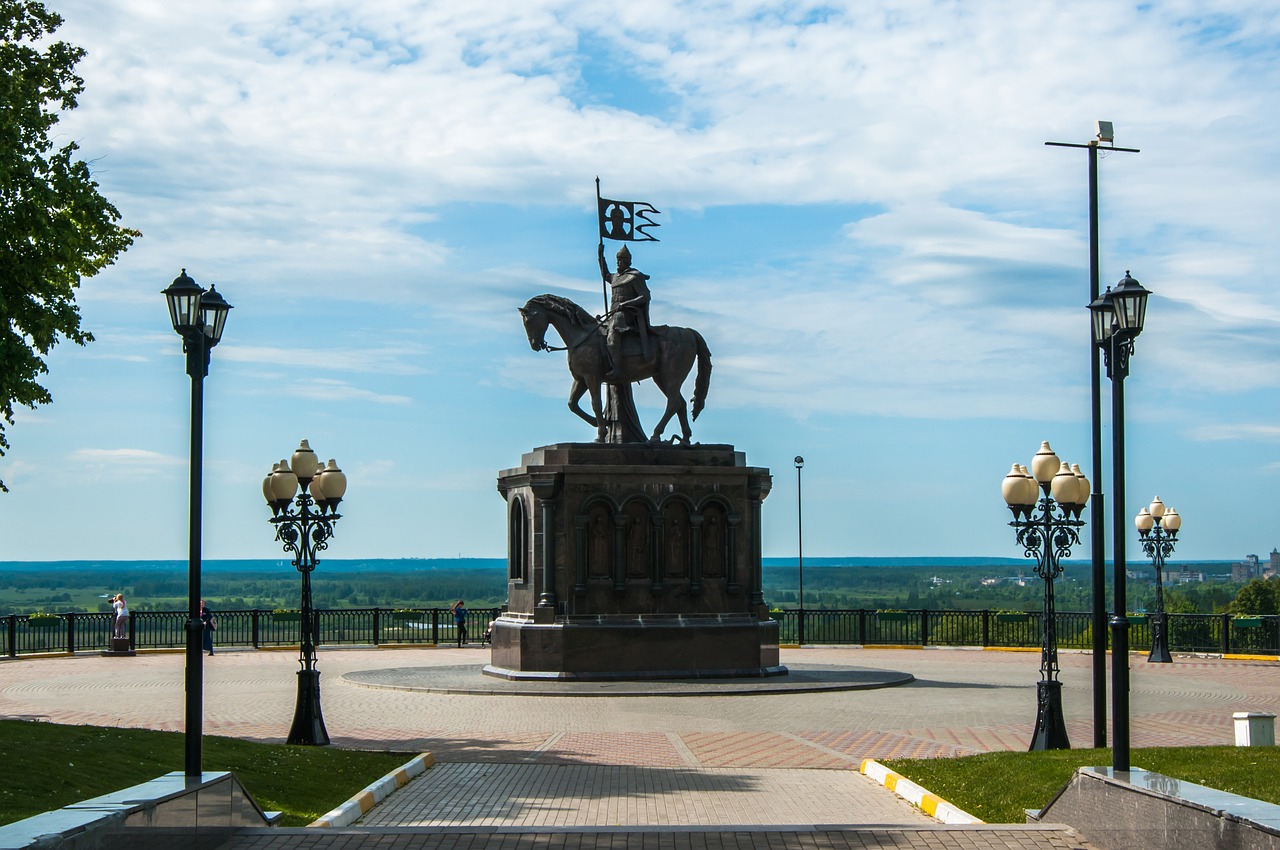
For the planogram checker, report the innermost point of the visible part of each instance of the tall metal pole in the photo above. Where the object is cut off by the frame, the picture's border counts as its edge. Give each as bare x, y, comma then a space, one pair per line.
1097, 512
197, 368
1120, 619
800, 544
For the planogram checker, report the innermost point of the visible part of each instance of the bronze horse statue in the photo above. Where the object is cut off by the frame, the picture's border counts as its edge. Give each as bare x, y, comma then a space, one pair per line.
584, 338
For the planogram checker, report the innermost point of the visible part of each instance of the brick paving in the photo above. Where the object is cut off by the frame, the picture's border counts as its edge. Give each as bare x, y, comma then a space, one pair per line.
649, 772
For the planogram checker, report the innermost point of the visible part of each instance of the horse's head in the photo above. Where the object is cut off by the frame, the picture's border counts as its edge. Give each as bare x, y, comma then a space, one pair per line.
535, 320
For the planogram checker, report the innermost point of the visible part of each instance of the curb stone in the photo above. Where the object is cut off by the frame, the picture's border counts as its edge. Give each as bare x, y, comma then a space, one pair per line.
359, 805
930, 804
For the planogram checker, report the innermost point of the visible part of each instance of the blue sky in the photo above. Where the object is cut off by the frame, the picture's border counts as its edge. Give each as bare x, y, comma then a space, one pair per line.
858, 213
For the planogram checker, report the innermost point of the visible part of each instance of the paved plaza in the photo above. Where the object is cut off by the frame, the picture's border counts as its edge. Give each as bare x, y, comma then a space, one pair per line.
670, 771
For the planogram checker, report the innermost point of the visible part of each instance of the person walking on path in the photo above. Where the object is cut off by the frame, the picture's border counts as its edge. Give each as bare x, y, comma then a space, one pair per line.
120, 627
460, 621
210, 626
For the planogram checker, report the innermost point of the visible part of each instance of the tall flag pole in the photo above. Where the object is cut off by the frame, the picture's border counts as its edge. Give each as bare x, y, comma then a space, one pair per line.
604, 284
623, 221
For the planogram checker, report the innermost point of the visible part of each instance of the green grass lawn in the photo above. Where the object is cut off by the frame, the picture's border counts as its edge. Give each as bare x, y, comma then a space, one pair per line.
997, 787
47, 766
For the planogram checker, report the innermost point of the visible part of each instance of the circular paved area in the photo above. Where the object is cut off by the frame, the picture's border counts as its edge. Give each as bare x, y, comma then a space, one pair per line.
961, 702
470, 679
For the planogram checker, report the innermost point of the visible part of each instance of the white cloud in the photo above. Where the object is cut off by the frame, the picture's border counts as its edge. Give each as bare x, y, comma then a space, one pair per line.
1240, 431
133, 458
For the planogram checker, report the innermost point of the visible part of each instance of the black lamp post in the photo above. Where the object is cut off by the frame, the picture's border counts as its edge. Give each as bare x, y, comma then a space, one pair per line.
198, 317
1048, 537
304, 523
1118, 317
1105, 141
1158, 529
799, 462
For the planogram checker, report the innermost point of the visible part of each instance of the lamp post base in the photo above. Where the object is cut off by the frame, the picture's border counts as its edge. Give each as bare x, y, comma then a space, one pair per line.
1051, 728
308, 723
1159, 640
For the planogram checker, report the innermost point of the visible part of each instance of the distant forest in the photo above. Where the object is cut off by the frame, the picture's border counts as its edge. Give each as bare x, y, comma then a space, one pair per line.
25, 589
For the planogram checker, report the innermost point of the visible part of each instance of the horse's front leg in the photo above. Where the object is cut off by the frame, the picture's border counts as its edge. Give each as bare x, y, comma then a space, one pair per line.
575, 395
602, 429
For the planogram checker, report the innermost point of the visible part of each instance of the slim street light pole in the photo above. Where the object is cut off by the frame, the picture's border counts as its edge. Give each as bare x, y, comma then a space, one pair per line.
195, 626
1118, 316
198, 316
799, 462
1097, 513
1120, 617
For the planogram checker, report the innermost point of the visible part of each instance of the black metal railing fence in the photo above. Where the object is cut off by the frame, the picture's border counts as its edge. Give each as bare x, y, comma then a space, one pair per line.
78, 631
22, 634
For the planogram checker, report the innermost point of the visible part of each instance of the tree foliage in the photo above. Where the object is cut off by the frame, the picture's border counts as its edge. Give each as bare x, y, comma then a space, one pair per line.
1259, 596
55, 228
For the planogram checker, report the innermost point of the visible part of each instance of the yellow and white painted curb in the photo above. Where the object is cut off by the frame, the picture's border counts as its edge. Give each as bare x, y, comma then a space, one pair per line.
359, 805
930, 804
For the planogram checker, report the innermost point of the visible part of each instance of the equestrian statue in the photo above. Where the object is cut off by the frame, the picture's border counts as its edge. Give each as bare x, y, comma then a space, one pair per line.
619, 349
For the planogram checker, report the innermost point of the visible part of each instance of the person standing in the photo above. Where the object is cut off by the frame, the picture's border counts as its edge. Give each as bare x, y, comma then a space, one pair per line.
460, 621
120, 628
210, 626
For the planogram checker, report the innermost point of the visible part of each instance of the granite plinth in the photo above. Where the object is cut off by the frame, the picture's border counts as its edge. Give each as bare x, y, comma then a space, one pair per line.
635, 648
634, 560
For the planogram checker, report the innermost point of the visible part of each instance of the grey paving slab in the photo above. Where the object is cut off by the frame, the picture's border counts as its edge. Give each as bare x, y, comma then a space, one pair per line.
549, 795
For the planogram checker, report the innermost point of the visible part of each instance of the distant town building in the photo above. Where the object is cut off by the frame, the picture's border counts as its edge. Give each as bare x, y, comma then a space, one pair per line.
1249, 568
1182, 576
1275, 560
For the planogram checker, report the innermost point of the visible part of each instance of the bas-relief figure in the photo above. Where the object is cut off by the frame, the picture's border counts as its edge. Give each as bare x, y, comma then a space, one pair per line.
619, 350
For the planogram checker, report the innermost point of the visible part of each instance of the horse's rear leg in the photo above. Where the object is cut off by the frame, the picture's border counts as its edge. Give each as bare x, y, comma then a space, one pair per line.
675, 405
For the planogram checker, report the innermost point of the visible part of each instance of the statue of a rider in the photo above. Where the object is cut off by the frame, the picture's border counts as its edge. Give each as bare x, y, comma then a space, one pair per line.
628, 308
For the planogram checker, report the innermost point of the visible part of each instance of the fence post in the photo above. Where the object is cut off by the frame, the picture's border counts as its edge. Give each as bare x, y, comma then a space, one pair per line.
254, 635
71, 632
800, 626
986, 628
924, 626
1226, 634
435, 626
133, 630
862, 626
377, 624
13, 635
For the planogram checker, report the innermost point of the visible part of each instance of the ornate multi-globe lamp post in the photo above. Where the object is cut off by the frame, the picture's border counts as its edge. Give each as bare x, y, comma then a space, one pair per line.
304, 497
1046, 504
199, 317
1158, 529
1118, 317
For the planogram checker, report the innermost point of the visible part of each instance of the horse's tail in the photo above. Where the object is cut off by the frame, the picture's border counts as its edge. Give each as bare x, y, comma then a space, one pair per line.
703, 381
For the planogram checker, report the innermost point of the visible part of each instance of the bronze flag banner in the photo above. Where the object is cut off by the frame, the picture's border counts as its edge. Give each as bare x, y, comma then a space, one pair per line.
627, 221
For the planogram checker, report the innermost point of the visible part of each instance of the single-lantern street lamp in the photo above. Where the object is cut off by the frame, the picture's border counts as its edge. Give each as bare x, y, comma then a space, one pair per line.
199, 317
1059, 492
1118, 317
799, 462
304, 497
1158, 530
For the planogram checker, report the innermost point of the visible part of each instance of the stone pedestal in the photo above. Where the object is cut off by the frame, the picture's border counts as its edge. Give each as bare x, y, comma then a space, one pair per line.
119, 646
634, 561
